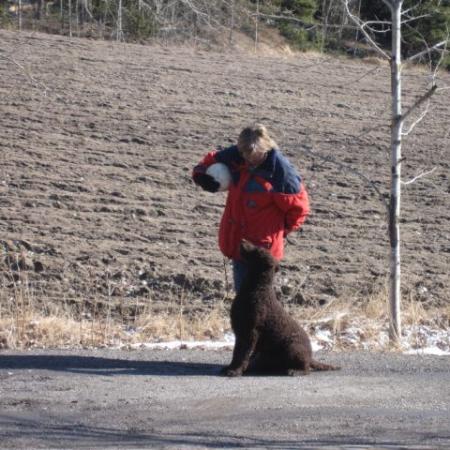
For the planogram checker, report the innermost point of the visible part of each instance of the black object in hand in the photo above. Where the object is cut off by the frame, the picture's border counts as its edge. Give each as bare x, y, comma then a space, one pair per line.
207, 182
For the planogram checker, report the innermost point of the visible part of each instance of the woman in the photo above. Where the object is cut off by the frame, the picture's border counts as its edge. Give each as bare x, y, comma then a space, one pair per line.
266, 199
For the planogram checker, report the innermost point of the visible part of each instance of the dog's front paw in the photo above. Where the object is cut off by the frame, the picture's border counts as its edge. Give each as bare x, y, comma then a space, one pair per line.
233, 373
226, 371
296, 373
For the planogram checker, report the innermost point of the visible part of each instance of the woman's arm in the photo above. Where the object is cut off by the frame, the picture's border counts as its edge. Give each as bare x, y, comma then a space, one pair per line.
296, 208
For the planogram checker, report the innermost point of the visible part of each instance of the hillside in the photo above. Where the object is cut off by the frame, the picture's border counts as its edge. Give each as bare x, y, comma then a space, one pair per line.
98, 140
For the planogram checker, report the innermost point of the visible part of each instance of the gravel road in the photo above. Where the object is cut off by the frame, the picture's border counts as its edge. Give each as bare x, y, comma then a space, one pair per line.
175, 399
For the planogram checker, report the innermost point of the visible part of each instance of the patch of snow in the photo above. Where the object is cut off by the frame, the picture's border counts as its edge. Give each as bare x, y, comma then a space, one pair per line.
436, 351
226, 343
322, 340
423, 339
171, 345
417, 340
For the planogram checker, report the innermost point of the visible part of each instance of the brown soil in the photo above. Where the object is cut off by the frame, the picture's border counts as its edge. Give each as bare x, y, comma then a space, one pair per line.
98, 140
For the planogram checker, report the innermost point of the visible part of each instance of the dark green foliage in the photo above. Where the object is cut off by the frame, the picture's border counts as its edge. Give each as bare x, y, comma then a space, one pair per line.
3, 10
5, 17
140, 22
431, 26
303, 9
300, 30
377, 10
301, 38
431, 29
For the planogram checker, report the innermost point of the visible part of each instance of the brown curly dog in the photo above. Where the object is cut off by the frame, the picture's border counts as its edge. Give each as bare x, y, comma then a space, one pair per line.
268, 340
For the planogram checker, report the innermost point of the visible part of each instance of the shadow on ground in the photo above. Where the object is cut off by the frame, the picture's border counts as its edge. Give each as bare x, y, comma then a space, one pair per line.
84, 436
106, 366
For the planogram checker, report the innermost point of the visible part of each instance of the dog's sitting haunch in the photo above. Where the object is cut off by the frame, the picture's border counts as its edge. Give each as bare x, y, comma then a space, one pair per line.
268, 340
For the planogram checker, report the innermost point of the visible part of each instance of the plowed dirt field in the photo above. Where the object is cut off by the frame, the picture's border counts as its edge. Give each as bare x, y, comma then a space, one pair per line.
98, 140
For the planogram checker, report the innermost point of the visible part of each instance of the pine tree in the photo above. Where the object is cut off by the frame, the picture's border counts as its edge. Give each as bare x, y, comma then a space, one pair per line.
432, 25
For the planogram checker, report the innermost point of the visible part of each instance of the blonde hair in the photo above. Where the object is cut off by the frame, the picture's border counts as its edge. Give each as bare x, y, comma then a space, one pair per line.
255, 138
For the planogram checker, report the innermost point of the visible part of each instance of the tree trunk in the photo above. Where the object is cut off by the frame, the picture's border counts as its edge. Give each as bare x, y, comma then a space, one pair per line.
396, 156
119, 22
105, 16
38, 10
231, 23
61, 15
256, 25
19, 14
69, 6
355, 50
77, 16
326, 8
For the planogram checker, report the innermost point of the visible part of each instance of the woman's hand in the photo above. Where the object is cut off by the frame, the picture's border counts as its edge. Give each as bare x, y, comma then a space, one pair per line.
206, 182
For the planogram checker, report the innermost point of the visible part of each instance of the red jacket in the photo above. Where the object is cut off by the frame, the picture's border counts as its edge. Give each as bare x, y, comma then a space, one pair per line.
263, 204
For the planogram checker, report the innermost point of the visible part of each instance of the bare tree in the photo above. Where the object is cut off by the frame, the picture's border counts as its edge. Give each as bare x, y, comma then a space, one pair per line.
70, 17
232, 21
119, 34
19, 14
256, 25
397, 123
77, 16
61, 15
327, 7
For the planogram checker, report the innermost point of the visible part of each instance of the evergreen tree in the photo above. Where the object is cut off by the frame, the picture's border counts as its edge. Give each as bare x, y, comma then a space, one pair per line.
303, 9
431, 26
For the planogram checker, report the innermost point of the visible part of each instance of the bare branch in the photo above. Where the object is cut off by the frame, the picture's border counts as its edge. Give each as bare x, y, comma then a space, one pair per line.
428, 50
388, 3
412, 19
27, 73
443, 53
86, 8
365, 131
193, 8
417, 121
406, 12
307, 26
368, 24
420, 101
361, 26
369, 72
146, 5
378, 22
421, 175
309, 151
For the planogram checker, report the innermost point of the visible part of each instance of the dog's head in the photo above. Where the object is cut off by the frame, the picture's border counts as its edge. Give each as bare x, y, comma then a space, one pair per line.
257, 257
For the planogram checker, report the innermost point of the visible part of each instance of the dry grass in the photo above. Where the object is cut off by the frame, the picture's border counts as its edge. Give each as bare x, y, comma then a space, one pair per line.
35, 330
28, 319
26, 322
364, 325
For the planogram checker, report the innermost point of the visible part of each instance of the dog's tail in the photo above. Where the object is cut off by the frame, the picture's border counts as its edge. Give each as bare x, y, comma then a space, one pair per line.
316, 365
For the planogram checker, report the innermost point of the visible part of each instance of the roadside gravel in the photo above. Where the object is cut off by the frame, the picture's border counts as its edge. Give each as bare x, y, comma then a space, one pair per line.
175, 399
